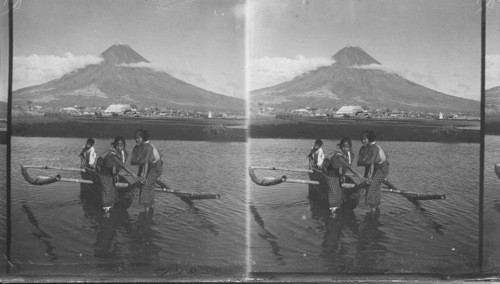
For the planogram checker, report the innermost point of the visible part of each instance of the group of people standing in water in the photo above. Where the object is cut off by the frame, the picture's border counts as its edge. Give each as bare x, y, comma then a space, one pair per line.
104, 170
332, 169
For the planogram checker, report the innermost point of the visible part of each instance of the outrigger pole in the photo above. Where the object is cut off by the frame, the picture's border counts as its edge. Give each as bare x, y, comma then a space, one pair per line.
268, 181
43, 180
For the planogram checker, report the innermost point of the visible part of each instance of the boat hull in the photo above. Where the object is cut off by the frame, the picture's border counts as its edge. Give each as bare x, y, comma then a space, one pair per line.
91, 194
318, 194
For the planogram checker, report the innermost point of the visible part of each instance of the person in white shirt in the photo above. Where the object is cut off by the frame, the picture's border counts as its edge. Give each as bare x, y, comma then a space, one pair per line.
88, 154
316, 157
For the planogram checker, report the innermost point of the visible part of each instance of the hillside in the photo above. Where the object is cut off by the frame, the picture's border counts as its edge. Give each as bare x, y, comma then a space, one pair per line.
356, 78
122, 77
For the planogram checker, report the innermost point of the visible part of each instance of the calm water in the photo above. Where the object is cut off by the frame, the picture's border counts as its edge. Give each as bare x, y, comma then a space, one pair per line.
54, 232
291, 234
491, 206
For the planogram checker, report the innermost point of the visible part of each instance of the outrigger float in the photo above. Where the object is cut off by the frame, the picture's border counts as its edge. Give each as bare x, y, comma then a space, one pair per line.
349, 186
122, 185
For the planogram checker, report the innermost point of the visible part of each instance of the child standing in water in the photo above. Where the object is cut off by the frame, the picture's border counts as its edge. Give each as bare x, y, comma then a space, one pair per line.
88, 155
316, 156
374, 158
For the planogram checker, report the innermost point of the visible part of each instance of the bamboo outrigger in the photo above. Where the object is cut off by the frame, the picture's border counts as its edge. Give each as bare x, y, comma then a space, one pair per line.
268, 181
123, 184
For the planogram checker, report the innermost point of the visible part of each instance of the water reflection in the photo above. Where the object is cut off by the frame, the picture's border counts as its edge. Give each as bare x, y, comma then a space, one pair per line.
371, 251
139, 234
40, 233
204, 220
270, 238
350, 242
428, 219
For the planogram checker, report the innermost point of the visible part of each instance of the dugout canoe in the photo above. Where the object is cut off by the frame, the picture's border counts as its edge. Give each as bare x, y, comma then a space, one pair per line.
318, 194
318, 189
92, 194
125, 191
88, 191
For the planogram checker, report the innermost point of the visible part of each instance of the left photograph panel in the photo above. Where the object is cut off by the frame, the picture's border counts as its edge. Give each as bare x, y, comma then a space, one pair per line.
4, 76
128, 139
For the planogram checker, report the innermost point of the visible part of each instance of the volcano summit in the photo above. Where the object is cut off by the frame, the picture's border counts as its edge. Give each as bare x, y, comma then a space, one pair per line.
356, 78
124, 77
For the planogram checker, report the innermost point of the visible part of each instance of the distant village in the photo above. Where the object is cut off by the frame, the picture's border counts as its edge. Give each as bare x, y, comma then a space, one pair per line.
127, 110
358, 112
123, 110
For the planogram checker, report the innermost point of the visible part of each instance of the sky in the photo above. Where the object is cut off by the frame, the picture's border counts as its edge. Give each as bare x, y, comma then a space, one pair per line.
433, 43
200, 42
492, 44
4, 51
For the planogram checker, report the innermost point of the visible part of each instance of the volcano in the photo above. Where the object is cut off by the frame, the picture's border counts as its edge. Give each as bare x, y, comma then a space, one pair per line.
356, 78
492, 96
492, 101
123, 78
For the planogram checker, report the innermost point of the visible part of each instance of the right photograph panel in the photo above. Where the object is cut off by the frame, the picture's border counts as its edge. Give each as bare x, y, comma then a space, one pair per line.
491, 209
364, 137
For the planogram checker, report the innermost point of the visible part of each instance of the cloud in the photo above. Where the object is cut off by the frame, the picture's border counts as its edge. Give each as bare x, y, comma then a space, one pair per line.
423, 79
419, 78
143, 65
233, 85
385, 68
193, 77
492, 70
269, 71
445, 84
239, 11
186, 75
37, 69
465, 88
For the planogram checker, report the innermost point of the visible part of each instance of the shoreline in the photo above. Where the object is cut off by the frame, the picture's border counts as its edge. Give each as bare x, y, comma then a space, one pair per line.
385, 129
110, 127
235, 130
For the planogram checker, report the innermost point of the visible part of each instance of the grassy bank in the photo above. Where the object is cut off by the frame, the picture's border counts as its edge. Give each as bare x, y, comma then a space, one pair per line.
109, 127
388, 130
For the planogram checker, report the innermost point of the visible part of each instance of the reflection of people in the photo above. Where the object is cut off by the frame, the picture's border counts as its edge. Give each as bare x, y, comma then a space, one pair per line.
150, 164
88, 154
316, 155
108, 169
137, 234
336, 165
334, 228
139, 231
354, 238
374, 158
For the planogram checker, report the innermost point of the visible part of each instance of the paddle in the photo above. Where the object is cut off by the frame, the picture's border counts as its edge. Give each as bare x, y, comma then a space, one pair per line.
187, 195
410, 195
43, 180
282, 169
268, 181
